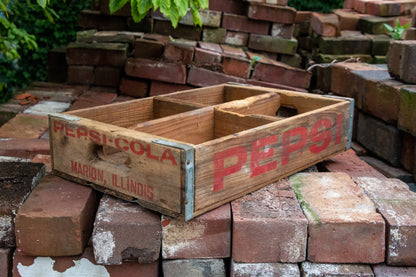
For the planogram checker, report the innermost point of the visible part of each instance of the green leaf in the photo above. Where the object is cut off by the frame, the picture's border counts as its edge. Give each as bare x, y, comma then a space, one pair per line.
195, 13
182, 7
135, 11
42, 3
388, 27
156, 4
115, 5
165, 7
174, 14
145, 6
407, 25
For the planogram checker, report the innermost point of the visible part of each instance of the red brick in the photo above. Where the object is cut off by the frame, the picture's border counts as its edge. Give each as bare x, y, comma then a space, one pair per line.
228, 6
348, 162
262, 269
273, 85
345, 270
303, 16
215, 35
97, 20
236, 66
283, 30
134, 87
123, 98
410, 33
215, 47
408, 154
16, 183
325, 24
401, 60
195, 267
29, 126
156, 70
236, 38
383, 8
83, 265
349, 4
157, 37
269, 227
6, 261
91, 98
81, 75
348, 19
107, 76
181, 31
383, 270
206, 236
57, 66
229, 50
24, 148
179, 52
241, 23
407, 112
110, 54
160, 88
344, 226
116, 218
148, 49
44, 159
200, 77
272, 44
56, 219
361, 5
394, 58
273, 13
397, 204
206, 57
281, 73
388, 170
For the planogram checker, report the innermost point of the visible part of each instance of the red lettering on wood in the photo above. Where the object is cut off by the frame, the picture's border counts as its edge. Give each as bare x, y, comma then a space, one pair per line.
288, 148
220, 171
257, 156
323, 136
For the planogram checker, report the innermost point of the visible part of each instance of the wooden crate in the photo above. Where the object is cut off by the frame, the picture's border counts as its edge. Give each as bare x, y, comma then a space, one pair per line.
185, 153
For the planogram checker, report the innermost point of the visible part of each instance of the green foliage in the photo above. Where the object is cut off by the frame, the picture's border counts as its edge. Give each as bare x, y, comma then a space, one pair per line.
317, 6
172, 9
397, 32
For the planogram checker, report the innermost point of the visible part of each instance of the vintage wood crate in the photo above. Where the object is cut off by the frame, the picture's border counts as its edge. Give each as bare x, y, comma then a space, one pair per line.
188, 152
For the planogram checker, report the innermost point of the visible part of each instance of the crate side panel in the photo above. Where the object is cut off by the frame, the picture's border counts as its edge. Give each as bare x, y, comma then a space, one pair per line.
207, 96
266, 104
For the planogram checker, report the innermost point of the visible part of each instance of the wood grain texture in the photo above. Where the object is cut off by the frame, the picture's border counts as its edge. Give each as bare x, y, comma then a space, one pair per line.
267, 104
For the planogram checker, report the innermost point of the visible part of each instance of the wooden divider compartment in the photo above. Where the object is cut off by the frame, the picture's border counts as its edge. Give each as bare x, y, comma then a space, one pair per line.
188, 152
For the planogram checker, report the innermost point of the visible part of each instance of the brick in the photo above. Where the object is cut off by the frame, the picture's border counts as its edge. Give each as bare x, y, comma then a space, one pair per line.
348, 162
110, 54
394, 58
350, 42
269, 227
47, 107
328, 58
133, 233
325, 24
108, 76
236, 38
206, 236
83, 265
24, 126
272, 44
292, 60
323, 77
194, 267
43, 159
200, 77
6, 261
400, 59
273, 13
16, 183
179, 52
263, 269
303, 16
214, 35
233, 51
348, 19
383, 8
57, 66
228, 6
124, 11
56, 219
410, 33
9, 110
345, 270
112, 37
156, 70
160, 88
388, 170
54, 92
344, 226
24, 148
136, 88
148, 49
408, 154
361, 5
181, 31
215, 47
206, 57
373, 24
380, 44
145, 25
383, 270
96, 20
282, 74
283, 30
241, 23
396, 203
209, 18
374, 135
157, 37
91, 98
81, 75
273, 85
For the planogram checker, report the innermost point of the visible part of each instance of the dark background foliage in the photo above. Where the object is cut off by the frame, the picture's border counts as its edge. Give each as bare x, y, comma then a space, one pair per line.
319, 6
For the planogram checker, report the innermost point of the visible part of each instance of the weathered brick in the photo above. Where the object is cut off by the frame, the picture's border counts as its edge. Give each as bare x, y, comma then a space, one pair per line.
325, 24
407, 113
96, 20
408, 154
6, 261
56, 219
241, 23
43, 159
401, 59
380, 44
283, 30
83, 265
206, 57
361, 5
229, 50
228, 6
111, 37
303, 16
410, 33
134, 87
215, 35
373, 24
273, 13
209, 18
236, 66
215, 47
194, 267
179, 52
388, 170
397, 204
57, 66
236, 38
91, 98
292, 60
348, 162
282, 74
24, 148
348, 19
81, 75
350, 42
108, 76
272, 44
47, 107
374, 135
206, 236
315, 270
110, 54
145, 25
181, 31
160, 88
343, 224
148, 49
16, 183
383, 270
133, 233
383, 8
24, 126
328, 58
156, 70
201, 77
264, 269
269, 227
